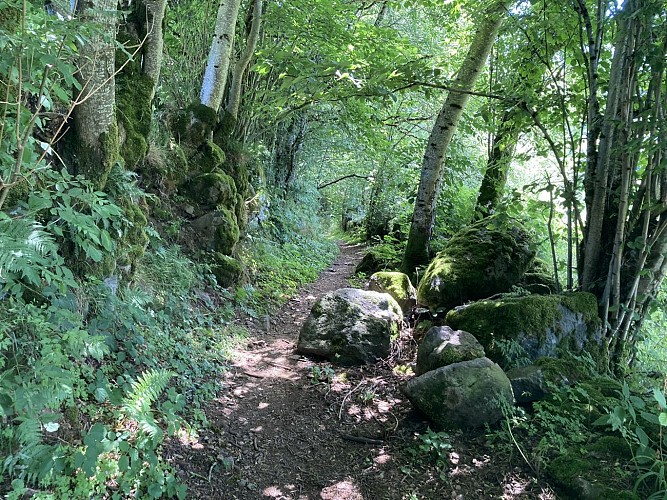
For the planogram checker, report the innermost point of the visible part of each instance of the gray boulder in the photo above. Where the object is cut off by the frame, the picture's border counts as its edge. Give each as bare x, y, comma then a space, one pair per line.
397, 285
443, 346
527, 383
465, 394
350, 326
540, 325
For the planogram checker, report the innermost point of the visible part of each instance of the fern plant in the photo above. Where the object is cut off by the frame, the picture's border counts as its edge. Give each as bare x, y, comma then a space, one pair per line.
29, 257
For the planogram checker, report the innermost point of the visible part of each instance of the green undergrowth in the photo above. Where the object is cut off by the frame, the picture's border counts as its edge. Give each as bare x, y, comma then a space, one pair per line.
96, 375
588, 419
281, 254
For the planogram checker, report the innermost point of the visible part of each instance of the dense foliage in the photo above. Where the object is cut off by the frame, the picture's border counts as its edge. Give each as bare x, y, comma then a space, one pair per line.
137, 219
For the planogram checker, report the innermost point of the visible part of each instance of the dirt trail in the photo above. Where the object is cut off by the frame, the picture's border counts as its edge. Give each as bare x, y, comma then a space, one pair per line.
289, 427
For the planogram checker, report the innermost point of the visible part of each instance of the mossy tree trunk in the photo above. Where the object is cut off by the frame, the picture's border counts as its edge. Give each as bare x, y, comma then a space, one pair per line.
95, 126
138, 79
288, 144
498, 163
423, 216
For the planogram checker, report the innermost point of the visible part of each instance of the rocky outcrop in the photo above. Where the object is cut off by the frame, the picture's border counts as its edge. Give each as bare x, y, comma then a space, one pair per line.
443, 346
397, 285
538, 324
350, 326
482, 260
466, 394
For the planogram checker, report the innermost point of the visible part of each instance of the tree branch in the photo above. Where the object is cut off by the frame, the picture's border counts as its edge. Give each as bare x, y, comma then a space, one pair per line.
357, 176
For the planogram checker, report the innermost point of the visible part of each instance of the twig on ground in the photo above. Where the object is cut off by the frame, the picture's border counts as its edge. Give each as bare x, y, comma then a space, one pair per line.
361, 439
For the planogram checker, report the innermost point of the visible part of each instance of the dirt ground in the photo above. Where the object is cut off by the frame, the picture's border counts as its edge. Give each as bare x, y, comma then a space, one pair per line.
290, 427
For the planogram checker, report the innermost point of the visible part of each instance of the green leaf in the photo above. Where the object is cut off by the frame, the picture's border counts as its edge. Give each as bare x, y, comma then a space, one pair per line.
663, 419
642, 436
659, 396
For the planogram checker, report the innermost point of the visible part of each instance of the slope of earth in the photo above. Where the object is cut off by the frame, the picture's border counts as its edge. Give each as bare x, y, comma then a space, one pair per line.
290, 427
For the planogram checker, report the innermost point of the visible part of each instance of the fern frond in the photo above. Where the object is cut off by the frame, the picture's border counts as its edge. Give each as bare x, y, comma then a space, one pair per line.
146, 390
24, 247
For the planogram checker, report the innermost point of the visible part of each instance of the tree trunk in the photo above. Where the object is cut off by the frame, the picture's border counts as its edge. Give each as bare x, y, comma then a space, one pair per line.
234, 101
497, 166
423, 216
154, 43
287, 147
95, 127
217, 67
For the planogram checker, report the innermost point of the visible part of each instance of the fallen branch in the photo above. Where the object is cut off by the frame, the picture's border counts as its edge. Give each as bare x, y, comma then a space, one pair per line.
361, 439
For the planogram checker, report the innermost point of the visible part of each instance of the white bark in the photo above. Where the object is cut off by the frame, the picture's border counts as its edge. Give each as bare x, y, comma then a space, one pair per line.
215, 76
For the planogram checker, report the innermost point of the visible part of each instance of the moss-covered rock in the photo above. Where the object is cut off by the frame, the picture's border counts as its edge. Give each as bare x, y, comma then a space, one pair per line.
212, 189
375, 259
227, 233
207, 158
397, 285
581, 477
227, 270
540, 324
351, 326
484, 259
443, 346
195, 124
466, 394
538, 279
216, 231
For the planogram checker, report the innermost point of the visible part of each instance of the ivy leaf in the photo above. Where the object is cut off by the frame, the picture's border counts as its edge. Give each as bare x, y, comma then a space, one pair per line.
659, 396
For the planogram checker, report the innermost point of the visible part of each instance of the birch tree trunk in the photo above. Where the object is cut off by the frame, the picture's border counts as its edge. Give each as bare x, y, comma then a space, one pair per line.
217, 67
423, 216
96, 133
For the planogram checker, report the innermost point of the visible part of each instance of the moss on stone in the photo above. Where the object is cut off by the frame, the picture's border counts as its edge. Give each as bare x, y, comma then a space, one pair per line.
207, 158
227, 270
530, 317
580, 476
196, 123
482, 260
227, 233
212, 189
613, 447
539, 278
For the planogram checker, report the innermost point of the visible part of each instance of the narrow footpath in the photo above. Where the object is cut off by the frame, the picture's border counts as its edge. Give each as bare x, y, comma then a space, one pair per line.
290, 427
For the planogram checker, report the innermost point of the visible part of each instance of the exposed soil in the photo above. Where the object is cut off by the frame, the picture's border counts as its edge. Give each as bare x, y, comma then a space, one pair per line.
290, 427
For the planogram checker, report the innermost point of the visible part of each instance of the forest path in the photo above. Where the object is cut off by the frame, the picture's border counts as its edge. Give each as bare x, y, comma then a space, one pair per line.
289, 427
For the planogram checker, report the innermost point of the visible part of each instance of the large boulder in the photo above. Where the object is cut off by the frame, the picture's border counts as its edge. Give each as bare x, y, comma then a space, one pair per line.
351, 326
484, 259
443, 346
466, 394
397, 285
539, 325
